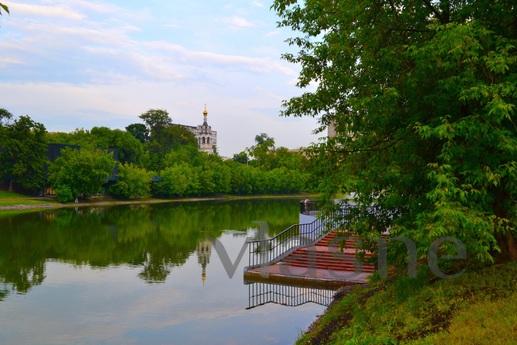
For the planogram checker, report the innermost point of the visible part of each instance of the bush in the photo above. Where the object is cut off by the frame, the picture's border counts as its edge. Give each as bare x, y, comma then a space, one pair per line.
133, 183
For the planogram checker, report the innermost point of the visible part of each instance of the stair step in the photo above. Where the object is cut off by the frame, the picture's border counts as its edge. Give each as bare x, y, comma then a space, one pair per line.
330, 261
327, 262
348, 268
330, 254
346, 258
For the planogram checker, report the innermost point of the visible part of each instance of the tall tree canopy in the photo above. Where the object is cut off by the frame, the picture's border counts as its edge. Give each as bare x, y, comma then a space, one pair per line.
139, 131
156, 119
422, 95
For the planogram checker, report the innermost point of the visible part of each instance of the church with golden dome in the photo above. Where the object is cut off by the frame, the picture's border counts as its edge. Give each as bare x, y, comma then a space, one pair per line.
206, 137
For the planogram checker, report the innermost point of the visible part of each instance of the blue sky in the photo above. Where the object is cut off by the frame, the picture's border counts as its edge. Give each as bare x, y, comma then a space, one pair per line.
77, 64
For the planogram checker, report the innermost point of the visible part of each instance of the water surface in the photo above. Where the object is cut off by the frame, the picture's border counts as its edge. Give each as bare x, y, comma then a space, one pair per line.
144, 275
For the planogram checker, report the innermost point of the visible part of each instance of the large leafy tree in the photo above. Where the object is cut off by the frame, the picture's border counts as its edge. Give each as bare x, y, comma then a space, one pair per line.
156, 119
23, 152
422, 95
139, 131
80, 173
164, 136
261, 152
128, 148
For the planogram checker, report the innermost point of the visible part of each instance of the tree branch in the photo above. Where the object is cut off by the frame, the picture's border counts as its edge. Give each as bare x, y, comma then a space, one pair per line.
433, 9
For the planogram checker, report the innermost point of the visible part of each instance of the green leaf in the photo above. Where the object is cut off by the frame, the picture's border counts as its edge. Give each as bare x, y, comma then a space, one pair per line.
4, 7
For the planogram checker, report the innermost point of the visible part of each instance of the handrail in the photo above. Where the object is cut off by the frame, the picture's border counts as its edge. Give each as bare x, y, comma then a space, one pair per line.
260, 294
266, 251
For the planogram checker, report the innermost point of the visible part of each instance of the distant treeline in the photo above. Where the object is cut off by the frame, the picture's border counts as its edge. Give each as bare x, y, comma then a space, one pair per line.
153, 158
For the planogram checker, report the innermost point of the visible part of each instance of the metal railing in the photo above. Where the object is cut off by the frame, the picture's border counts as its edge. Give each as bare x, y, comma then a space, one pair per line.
263, 293
266, 251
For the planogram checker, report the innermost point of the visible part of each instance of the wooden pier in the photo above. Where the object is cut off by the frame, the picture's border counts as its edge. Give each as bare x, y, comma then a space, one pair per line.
331, 261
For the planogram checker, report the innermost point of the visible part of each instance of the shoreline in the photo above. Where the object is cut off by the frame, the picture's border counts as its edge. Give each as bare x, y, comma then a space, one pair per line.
46, 205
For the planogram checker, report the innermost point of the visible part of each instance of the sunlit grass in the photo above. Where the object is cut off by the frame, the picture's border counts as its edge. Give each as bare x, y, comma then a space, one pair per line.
13, 199
476, 305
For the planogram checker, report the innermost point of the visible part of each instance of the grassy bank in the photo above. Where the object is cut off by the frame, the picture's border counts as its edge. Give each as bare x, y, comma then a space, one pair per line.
13, 203
9, 199
475, 308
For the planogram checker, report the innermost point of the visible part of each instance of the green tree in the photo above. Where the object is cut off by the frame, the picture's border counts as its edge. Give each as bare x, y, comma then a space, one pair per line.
139, 131
422, 95
5, 116
156, 120
222, 177
133, 183
241, 157
178, 180
188, 154
166, 140
80, 173
129, 149
261, 152
23, 153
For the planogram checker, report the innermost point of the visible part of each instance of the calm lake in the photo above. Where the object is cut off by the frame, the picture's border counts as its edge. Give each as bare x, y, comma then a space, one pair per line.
145, 275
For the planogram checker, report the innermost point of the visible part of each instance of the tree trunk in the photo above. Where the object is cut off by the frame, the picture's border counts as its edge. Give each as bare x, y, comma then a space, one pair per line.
512, 246
10, 185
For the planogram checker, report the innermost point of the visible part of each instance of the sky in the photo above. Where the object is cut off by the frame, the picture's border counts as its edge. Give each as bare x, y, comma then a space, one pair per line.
78, 64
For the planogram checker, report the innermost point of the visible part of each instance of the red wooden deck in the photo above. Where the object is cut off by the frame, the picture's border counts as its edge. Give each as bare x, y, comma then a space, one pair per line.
327, 263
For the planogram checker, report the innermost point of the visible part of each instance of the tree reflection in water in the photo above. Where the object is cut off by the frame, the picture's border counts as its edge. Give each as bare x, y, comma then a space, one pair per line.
154, 237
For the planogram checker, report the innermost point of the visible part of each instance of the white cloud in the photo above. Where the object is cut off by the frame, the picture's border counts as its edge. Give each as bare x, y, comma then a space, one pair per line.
95, 6
45, 10
236, 118
97, 72
6, 60
258, 3
252, 63
237, 22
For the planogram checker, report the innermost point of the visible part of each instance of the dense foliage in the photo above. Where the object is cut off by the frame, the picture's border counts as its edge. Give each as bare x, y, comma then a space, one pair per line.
125, 146
422, 95
23, 152
189, 172
133, 182
80, 173
155, 158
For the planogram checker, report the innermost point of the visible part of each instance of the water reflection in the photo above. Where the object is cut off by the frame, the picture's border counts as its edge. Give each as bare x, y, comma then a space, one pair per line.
154, 238
260, 294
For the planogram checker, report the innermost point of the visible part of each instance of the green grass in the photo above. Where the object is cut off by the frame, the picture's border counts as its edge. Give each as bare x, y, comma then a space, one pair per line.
475, 308
12, 199
483, 323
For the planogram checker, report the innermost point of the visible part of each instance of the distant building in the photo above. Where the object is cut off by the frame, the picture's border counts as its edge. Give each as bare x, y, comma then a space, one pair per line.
206, 137
204, 250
